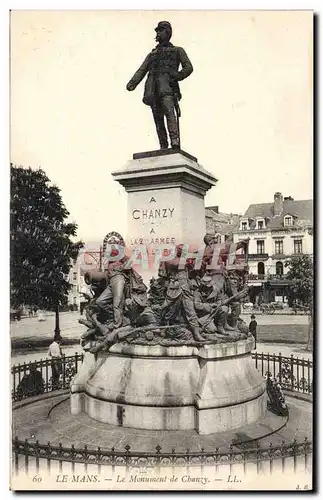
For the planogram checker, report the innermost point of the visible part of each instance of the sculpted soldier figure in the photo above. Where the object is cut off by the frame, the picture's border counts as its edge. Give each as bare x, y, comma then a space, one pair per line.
162, 91
179, 297
119, 282
207, 298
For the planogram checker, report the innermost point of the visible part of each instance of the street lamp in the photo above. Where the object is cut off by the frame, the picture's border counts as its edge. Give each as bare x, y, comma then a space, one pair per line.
57, 328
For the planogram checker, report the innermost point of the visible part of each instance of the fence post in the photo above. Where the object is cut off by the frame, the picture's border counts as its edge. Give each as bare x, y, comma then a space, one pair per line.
14, 382
258, 457
231, 457
16, 455
64, 370
173, 460
98, 459
283, 456
127, 448
244, 446
46, 371
217, 460
26, 456
60, 454
270, 453
158, 448
37, 456
280, 368
113, 460
73, 453
309, 376
295, 455
188, 461
48, 454
76, 362
85, 455
306, 446
292, 370
202, 459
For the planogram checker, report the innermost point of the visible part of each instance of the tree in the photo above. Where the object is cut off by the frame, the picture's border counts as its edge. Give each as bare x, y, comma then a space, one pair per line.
42, 249
300, 272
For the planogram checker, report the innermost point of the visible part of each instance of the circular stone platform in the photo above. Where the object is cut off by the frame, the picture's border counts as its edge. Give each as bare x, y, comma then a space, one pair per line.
213, 388
49, 419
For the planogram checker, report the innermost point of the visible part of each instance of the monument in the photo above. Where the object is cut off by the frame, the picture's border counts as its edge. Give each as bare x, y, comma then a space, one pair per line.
170, 351
166, 187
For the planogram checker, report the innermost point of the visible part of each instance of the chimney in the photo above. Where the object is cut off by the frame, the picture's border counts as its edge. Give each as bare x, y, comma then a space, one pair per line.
278, 203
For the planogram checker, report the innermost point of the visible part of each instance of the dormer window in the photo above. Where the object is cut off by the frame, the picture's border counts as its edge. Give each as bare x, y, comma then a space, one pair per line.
244, 225
288, 220
261, 224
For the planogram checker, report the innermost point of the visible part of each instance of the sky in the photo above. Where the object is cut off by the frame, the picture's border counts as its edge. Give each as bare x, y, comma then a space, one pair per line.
246, 108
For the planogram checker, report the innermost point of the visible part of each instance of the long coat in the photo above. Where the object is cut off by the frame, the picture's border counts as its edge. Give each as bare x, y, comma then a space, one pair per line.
162, 66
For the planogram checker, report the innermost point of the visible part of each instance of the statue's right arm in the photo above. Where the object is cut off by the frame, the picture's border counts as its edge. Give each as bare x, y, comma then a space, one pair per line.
200, 305
139, 75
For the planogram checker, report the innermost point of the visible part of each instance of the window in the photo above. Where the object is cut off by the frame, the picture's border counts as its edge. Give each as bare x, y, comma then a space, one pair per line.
74, 276
260, 224
261, 268
298, 246
279, 268
244, 226
279, 248
288, 221
260, 246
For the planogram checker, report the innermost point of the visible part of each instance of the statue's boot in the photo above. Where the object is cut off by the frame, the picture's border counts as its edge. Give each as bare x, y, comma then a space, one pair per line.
220, 329
175, 144
88, 333
197, 336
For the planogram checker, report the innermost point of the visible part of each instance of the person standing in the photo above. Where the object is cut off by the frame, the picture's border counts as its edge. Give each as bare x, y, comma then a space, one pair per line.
55, 353
253, 328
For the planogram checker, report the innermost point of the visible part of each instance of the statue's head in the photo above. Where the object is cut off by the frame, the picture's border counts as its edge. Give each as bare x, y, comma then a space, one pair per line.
163, 32
209, 239
206, 283
112, 244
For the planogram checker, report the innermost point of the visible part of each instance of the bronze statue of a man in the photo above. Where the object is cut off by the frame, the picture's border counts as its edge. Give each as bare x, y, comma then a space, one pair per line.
162, 91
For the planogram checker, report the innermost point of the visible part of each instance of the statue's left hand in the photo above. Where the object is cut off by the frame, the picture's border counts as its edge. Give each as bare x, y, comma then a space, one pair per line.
130, 86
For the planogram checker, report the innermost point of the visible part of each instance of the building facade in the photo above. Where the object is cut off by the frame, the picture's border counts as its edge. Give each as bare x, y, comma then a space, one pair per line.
276, 231
76, 279
221, 224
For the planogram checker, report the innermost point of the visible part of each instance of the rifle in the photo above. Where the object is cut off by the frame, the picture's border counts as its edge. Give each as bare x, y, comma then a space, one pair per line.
222, 303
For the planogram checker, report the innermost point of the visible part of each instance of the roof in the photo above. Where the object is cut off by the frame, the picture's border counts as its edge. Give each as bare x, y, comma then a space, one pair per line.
301, 209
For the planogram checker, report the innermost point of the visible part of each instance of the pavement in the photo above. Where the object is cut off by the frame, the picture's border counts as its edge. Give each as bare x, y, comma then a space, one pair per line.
31, 328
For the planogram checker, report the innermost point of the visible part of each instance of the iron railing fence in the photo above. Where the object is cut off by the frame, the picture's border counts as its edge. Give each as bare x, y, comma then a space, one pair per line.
35, 378
31, 458
292, 373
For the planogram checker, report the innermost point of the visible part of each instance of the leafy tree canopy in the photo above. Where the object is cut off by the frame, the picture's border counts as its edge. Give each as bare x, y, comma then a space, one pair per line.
42, 249
301, 273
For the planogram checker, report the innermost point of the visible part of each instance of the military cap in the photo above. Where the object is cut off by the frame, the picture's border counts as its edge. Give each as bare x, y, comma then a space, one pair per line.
163, 25
208, 238
141, 300
207, 281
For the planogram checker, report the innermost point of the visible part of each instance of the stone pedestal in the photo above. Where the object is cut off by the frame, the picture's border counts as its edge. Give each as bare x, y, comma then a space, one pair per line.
211, 389
165, 205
